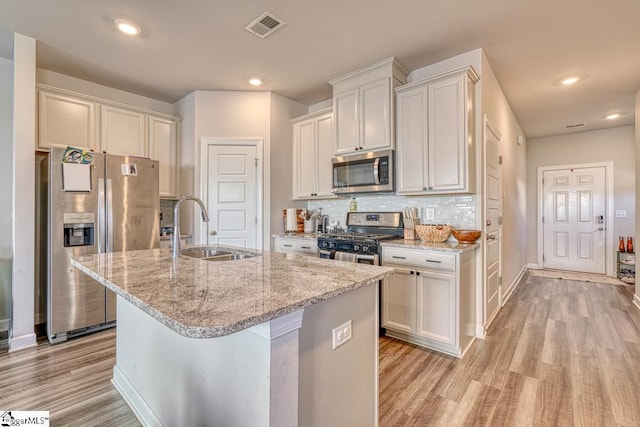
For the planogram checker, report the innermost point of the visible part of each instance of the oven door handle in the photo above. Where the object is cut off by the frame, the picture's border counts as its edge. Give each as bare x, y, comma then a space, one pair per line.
327, 254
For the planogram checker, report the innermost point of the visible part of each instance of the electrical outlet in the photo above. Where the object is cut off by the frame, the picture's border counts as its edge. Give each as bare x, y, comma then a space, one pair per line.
621, 213
430, 214
341, 334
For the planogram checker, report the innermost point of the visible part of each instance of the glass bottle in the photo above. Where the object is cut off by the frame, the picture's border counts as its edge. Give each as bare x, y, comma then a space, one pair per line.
353, 206
630, 244
621, 244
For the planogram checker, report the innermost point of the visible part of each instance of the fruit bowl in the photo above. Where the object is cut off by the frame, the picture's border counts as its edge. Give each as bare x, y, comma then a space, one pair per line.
466, 236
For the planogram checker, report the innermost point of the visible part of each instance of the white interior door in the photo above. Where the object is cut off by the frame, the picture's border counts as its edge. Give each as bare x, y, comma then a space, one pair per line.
232, 195
493, 214
574, 230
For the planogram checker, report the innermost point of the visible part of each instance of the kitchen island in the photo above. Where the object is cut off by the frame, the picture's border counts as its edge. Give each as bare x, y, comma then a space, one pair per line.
246, 342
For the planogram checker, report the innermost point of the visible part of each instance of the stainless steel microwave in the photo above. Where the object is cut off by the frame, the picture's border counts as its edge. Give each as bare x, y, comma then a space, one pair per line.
363, 173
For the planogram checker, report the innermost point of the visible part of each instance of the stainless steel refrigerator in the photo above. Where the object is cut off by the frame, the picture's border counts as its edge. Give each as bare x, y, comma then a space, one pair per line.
110, 205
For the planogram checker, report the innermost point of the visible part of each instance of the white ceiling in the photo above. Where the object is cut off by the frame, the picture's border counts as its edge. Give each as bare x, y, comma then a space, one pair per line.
191, 45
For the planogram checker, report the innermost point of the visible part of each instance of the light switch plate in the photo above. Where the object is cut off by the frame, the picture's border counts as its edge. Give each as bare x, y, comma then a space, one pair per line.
341, 334
430, 214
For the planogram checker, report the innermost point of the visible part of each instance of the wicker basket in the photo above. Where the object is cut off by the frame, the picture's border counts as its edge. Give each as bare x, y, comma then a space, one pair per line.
433, 233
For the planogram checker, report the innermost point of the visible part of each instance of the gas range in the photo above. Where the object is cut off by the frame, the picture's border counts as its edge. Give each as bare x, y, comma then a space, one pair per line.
365, 231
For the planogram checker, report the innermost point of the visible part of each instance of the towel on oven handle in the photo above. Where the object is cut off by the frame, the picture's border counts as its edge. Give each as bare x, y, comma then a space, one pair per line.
345, 256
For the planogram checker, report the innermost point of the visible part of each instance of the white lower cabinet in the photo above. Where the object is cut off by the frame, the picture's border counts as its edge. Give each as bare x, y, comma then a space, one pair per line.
430, 298
295, 246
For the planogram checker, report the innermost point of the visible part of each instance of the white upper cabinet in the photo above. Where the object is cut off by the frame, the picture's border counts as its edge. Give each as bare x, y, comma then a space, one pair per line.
122, 132
69, 119
435, 134
65, 120
363, 105
163, 146
312, 152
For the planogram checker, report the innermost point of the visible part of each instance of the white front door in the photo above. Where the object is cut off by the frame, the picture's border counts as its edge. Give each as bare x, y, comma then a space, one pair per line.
574, 231
493, 214
232, 195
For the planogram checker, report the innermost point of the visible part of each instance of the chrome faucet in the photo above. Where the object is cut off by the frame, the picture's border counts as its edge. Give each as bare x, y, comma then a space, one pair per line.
176, 221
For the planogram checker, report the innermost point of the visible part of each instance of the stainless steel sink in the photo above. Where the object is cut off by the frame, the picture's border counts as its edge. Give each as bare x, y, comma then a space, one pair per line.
216, 254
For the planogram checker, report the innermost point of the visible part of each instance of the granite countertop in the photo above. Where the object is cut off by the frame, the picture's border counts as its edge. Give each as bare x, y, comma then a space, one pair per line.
207, 299
448, 246
302, 236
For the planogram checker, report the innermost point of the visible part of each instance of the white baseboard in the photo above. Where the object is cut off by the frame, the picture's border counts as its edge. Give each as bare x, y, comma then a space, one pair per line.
137, 404
21, 342
514, 284
481, 332
533, 266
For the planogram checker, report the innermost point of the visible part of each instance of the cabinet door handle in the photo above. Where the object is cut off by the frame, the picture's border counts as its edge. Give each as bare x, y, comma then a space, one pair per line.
411, 272
433, 261
417, 273
305, 247
287, 246
491, 237
488, 223
398, 257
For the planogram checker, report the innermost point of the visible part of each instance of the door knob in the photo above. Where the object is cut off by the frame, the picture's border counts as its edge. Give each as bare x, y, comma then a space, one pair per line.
213, 233
488, 223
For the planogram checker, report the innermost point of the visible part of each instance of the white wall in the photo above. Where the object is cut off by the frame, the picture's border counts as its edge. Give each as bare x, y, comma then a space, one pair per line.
282, 111
6, 150
238, 115
514, 174
615, 145
637, 157
6, 190
22, 333
85, 87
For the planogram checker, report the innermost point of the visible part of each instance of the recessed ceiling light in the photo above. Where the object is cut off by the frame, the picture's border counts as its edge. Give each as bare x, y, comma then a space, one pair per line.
255, 81
613, 116
127, 27
570, 80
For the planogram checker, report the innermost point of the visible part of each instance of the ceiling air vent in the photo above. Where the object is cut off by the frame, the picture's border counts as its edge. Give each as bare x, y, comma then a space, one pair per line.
577, 125
265, 25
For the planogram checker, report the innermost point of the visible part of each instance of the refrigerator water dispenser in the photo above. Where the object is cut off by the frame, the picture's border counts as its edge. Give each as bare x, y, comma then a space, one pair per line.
79, 229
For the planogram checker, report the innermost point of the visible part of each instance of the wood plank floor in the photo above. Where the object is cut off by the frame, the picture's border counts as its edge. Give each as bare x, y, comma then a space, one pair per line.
560, 353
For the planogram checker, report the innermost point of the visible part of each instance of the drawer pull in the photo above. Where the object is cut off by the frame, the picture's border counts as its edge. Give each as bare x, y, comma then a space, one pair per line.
433, 261
287, 246
398, 257
305, 247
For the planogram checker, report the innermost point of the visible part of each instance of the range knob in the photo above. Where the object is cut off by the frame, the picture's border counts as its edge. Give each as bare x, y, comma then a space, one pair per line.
365, 248
332, 245
356, 247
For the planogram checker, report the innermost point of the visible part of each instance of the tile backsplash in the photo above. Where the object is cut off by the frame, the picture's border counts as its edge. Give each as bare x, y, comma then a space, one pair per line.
459, 211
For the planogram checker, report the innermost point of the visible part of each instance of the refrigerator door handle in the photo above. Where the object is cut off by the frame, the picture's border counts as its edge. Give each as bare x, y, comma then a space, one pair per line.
101, 216
109, 212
